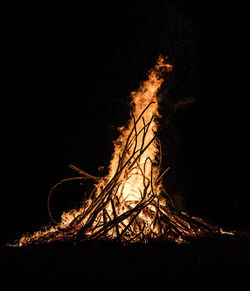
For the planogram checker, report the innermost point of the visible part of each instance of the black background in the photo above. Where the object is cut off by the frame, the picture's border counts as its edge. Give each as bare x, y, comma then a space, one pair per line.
66, 79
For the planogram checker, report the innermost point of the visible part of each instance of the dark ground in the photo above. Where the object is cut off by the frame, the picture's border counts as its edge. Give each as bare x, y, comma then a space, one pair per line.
221, 261
66, 83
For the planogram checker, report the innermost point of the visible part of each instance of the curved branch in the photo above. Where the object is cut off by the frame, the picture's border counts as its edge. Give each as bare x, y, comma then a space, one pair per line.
52, 191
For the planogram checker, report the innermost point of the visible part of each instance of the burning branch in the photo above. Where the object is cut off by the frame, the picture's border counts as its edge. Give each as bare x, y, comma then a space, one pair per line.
110, 215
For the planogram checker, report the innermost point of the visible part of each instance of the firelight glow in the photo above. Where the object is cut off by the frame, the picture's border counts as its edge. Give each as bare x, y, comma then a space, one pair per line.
129, 204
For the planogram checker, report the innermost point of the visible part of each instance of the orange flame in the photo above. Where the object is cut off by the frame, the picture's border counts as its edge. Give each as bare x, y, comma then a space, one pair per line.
131, 187
145, 95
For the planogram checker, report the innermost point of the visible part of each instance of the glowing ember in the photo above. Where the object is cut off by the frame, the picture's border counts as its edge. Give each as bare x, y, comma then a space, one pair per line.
130, 203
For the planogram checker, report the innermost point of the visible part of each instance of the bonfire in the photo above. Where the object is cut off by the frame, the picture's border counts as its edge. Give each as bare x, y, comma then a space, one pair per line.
130, 204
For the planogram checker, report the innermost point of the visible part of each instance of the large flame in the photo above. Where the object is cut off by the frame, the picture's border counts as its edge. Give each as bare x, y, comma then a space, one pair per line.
146, 95
127, 204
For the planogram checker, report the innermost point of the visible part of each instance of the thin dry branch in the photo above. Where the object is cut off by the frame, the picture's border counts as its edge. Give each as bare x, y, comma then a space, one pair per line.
108, 215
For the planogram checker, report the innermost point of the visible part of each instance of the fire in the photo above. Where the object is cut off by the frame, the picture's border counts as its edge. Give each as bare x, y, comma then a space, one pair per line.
129, 204
146, 95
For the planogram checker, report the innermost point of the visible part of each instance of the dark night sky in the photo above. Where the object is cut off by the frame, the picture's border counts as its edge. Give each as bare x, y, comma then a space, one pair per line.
68, 75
